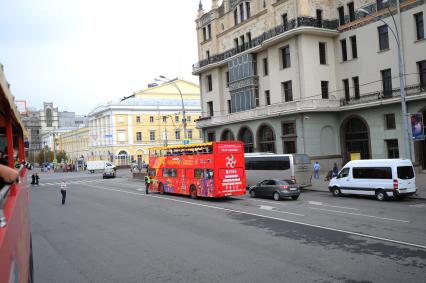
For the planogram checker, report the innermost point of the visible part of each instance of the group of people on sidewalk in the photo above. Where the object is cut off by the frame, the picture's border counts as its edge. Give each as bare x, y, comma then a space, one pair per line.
330, 174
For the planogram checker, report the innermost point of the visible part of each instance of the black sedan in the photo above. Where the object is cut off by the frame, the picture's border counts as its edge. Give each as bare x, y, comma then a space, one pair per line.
275, 188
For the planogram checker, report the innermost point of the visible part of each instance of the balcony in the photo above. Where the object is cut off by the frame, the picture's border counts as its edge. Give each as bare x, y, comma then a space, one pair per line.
381, 96
257, 41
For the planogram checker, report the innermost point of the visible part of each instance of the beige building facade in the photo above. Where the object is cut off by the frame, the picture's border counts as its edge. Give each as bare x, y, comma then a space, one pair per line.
76, 144
315, 77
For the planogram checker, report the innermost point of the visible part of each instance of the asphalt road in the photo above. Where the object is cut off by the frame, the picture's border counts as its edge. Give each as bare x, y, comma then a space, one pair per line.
110, 231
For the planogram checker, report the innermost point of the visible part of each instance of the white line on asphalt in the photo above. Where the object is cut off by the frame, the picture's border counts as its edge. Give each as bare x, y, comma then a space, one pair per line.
358, 214
269, 217
329, 205
417, 205
266, 207
271, 208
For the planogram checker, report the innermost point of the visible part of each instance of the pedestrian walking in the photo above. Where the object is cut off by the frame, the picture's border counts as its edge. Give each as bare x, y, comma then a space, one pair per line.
147, 183
335, 171
63, 191
317, 168
36, 179
33, 178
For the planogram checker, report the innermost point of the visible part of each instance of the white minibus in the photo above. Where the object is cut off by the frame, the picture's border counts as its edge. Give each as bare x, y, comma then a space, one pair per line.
381, 178
262, 166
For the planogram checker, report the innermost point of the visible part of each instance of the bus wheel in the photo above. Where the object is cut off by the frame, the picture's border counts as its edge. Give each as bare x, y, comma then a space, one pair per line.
193, 192
381, 195
336, 192
161, 188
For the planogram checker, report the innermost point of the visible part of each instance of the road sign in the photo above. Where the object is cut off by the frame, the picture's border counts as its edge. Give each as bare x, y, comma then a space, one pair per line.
186, 141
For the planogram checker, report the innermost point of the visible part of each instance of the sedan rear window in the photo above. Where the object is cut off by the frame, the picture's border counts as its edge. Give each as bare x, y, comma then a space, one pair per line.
405, 172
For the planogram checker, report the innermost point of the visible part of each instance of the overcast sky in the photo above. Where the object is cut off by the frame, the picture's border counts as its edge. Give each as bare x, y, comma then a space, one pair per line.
80, 53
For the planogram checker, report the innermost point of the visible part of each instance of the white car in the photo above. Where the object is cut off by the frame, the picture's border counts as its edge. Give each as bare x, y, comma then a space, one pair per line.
382, 178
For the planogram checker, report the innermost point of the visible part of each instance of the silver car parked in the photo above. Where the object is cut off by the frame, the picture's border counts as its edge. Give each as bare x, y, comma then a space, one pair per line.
275, 188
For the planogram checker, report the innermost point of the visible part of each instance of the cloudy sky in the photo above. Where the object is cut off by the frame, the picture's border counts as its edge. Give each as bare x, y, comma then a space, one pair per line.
80, 53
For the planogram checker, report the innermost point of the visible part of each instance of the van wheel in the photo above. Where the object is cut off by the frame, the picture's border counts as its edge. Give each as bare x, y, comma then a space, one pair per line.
336, 192
252, 194
381, 195
161, 188
276, 196
193, 192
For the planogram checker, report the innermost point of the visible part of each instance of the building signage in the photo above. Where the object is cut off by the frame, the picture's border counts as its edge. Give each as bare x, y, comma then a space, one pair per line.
417, 126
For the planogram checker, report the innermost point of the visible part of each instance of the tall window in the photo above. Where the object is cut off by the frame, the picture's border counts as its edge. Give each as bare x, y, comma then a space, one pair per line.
227, 79
211, 137
49, 119
248, 10
383, 37
236, 16
177, 134
152, 135
138, 119
285, 56
256, 97
392, 148
265, 66
229, 106
341, 12
189, 133
176, 118
420, 29
390, 121
236, 42
208, 55
288, 92
267, 97
319, 17
387, 82
422, 74
266, 139
324, 89
139, 136
354, 47
210, 108
285, 21
355, 81
164, 119
151, 119
246, 137
322, 53
346, 89
344, 51
289, 137
209, 82
241, 12
351, 11
248, 35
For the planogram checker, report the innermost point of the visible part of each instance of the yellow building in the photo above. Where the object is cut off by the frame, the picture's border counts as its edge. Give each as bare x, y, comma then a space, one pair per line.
76, 144
123, 131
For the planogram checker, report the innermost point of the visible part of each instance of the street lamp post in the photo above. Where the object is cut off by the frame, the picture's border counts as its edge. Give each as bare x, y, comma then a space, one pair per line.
406, 134
168, 81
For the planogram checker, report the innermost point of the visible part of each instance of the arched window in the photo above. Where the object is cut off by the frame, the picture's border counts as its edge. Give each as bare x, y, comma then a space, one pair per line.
356, 138
124, 158
48, 117
227, 135
266, 139
246, 136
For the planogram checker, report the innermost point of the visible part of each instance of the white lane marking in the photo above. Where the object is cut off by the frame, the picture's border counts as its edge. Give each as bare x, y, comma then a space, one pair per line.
359, 214
329, 205
417, 205
271, 208
140, 190
266, 207
269, 217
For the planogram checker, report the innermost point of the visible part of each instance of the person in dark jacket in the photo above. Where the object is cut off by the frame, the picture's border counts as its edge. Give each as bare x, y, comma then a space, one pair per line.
335, 171
36, 179
33, 179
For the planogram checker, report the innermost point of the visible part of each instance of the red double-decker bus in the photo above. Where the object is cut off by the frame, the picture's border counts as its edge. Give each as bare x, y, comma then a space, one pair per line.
213, 170
16, 264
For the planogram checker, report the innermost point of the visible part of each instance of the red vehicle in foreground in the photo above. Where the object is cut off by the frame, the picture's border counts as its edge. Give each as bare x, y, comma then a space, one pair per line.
214, 169
16, 264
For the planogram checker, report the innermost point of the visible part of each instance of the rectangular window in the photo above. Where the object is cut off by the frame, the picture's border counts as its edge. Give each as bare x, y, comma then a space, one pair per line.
285, 56
248, 35
151, 119
152, 135
387, 82
392, 148
267, 97
288, 128
405, 172
289, 146
383, 37
211, 137
139, 136
355, 81
227, 79
236, 42
138, 119
241, 12
351, 11
420, 28
188, 118
256, 97
324, 89
204, 33
354, 47
198, 173
208, 55
164, 119
265, 66
288, 92
243, 43
229, 106
344, 52
372, 172
176, 118
322, 53
390, 121
319, 18
341, 12
177, 134
236, 16
346, 89
248, 10
284, 20
209, 83
210, 108
209, 31
422, 74
121, 135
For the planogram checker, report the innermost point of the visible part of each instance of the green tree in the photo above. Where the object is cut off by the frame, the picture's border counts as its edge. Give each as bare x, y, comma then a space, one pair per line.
45, 155
61, 154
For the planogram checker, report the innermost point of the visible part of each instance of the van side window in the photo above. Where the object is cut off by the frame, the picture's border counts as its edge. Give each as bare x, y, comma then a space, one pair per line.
372, 172
344, 173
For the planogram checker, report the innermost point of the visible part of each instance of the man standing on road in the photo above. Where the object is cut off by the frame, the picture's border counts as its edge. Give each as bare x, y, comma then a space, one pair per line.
36, 179
317, 168
63, 191
147, 183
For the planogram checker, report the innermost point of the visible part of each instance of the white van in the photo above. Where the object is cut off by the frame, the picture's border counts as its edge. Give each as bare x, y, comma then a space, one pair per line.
381, 178
99, 165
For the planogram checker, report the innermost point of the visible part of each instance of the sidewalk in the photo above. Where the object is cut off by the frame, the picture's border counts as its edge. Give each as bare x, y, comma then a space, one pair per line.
321, 185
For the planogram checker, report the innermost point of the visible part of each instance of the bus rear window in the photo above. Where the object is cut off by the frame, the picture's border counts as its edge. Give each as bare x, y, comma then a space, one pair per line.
405, 172
267, 163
